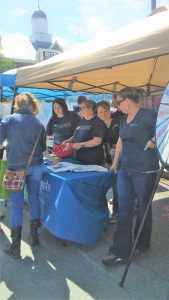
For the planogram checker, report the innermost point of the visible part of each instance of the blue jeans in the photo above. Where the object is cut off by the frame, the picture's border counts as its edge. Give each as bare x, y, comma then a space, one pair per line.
131, 186
32, 180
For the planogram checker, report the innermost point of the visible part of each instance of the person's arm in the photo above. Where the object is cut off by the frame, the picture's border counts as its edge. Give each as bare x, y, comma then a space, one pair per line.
117, 155
68, 140
150, 144
3, 132
151, 117
96, 141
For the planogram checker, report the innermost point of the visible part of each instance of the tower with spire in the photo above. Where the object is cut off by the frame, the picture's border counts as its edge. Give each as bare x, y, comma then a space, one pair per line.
40, 37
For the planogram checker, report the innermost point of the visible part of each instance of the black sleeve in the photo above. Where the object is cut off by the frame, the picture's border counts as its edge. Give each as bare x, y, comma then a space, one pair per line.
43, 139
76, 118
115, 130
49, 127
99, 129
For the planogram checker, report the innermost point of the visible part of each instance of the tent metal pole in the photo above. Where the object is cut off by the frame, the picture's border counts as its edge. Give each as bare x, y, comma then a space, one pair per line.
1, 93
121, 284
13, 102
153, 5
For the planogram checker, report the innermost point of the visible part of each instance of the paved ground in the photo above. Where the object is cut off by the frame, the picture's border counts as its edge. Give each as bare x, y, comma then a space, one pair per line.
75, 272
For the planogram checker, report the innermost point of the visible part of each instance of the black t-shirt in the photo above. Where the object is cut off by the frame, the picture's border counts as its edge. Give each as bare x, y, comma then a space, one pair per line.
134, 137
62, 128
86, 131
112, 132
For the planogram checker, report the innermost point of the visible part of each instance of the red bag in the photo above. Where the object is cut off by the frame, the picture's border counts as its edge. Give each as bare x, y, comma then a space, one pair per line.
63, 150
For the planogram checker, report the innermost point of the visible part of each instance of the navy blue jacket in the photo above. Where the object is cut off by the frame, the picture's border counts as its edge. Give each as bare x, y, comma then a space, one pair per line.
21, 130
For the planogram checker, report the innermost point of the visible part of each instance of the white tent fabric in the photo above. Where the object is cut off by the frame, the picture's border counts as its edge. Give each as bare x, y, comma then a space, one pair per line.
137, 55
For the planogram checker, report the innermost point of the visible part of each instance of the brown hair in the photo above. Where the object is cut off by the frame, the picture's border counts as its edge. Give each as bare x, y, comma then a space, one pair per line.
105, 104
134, 94
81, 99
26, 100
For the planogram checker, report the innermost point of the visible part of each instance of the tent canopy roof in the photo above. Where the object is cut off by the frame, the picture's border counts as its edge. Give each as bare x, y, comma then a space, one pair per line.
137, 55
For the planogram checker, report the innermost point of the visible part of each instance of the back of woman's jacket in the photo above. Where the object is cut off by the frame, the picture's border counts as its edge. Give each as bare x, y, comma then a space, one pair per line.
21, 131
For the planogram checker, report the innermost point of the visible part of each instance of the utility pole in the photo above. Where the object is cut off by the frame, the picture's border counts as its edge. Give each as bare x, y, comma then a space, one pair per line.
0, 44
153, 5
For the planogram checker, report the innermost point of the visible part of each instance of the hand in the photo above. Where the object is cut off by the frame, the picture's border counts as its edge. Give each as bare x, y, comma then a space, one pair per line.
114, 167
150, 145
112, 152
66, 146
76, 146
53, 160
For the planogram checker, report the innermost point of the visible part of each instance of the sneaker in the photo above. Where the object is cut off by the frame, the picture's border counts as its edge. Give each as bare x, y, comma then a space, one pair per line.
112, 260
113, 219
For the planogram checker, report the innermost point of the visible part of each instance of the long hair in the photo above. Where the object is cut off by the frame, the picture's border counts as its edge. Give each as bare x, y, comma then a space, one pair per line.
62, 104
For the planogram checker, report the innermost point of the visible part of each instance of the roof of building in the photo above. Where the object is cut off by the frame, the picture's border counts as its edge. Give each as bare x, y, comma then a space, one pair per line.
39, 14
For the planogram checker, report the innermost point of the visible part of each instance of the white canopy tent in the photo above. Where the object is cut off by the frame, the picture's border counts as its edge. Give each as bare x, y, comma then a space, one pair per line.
137, 55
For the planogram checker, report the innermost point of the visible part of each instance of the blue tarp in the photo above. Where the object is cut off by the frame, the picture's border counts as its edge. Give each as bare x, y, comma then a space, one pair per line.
7, 85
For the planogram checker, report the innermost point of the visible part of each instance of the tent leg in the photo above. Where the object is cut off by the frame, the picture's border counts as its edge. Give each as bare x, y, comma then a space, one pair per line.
13, 102
121, 284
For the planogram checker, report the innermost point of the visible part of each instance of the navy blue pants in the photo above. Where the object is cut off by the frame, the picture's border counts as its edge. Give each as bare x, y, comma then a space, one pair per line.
115, 195
32, 180
131, 186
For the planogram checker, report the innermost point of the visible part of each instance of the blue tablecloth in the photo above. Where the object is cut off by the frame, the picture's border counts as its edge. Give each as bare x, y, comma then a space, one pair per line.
74, 205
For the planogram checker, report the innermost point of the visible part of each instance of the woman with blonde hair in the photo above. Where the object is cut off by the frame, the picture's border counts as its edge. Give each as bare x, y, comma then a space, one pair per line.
21, 131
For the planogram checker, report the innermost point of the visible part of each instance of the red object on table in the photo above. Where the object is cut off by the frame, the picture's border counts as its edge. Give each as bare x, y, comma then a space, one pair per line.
63, 150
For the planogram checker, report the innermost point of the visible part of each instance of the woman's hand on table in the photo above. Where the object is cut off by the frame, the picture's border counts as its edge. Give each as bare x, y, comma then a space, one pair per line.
112, 152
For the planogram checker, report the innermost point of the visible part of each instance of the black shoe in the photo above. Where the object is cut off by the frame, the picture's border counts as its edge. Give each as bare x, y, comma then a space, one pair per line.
112, 260
14, 249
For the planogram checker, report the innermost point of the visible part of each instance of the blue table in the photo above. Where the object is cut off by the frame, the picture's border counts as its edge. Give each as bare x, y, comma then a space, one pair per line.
74, 205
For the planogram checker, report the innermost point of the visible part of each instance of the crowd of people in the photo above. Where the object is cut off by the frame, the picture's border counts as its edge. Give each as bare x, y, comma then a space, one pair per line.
123, 140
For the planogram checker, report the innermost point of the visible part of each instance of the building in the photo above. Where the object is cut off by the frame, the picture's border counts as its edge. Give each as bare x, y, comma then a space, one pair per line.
32, 49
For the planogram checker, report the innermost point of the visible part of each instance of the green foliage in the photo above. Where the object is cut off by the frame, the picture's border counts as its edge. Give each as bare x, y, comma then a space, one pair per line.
6, 64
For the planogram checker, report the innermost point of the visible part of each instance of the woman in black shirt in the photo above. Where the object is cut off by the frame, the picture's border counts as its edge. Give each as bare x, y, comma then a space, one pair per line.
88, 136
110, 139
62, 124
112, 127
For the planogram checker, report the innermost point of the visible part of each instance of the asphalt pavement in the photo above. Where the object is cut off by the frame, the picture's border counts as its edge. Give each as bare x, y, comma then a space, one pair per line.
54, 272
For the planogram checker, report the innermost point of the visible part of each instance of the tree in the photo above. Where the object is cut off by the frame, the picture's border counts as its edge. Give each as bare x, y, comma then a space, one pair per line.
6, 64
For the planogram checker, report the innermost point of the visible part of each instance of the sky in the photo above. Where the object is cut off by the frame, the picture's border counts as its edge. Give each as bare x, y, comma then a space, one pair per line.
69, 21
